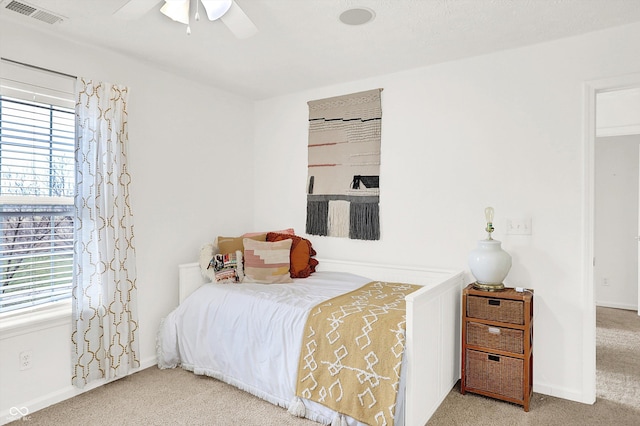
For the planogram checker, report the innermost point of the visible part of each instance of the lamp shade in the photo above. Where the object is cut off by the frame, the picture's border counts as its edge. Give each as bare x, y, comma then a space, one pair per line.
178, 10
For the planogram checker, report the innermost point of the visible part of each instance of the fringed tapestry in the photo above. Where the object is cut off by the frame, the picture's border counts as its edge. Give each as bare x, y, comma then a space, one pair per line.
343, 183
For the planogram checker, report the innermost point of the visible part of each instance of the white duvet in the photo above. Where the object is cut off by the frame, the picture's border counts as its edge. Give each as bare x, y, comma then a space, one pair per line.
249, 335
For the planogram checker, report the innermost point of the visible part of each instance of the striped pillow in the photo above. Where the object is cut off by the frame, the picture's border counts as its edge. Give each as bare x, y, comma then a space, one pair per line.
267, 262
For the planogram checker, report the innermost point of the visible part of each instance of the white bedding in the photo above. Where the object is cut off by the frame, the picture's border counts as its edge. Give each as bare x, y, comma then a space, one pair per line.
249, 335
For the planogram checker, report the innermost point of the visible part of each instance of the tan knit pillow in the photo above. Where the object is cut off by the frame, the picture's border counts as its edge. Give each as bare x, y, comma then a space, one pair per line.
232, 244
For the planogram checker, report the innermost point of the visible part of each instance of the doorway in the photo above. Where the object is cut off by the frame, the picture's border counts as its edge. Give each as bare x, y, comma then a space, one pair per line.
592, 89
617, 190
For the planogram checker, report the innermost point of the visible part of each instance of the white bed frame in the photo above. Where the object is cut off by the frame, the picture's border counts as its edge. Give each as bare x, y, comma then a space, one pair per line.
433, 327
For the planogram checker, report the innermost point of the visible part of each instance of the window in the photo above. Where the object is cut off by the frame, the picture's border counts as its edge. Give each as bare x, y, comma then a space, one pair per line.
37, 179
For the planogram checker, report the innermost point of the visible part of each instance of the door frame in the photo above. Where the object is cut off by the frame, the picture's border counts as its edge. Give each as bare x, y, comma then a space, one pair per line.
591, 88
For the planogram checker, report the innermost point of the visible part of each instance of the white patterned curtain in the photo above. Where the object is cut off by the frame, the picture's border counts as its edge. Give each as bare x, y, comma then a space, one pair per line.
105, 319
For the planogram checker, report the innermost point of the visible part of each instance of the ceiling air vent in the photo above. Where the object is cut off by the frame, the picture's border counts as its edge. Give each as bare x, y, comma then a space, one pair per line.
33, 12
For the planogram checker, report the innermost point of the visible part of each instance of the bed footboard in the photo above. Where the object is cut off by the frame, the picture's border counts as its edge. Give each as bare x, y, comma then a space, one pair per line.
433, 331
433, 347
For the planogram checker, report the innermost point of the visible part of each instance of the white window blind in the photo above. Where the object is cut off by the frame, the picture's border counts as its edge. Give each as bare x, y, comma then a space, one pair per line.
37, 177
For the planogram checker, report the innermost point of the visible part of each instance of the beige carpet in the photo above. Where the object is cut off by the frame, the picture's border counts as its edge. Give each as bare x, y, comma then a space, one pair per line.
177, 397
164, 397
617, 395
618, 357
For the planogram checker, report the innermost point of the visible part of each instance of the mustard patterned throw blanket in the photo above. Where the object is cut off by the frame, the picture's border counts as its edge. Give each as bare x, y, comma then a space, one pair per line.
352, 352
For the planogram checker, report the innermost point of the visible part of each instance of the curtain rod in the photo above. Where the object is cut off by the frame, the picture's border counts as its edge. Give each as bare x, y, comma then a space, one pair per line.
39, 68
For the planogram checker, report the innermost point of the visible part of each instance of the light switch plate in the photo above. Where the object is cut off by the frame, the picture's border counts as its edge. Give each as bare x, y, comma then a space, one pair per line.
519, 226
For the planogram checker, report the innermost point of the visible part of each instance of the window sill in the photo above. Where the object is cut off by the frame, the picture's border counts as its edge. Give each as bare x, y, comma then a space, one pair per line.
39, 318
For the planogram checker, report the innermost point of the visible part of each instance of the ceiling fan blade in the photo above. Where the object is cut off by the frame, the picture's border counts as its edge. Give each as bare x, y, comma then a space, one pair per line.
216, 8
238, 22
135, 9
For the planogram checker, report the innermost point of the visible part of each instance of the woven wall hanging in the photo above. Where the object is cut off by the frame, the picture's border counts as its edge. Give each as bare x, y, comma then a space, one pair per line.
343, 182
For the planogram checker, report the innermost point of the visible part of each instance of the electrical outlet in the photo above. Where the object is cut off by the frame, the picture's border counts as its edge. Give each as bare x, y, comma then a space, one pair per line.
605, 282
25, 360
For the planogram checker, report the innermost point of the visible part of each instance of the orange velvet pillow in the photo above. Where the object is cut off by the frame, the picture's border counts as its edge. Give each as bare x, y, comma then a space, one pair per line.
302, 265
289, 231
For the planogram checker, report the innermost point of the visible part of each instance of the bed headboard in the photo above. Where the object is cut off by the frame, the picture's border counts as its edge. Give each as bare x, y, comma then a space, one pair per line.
189, 279
190, 276
392, 273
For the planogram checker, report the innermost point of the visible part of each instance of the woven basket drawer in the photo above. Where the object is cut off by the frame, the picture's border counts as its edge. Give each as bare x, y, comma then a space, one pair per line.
497, 374
504, 339
502, 310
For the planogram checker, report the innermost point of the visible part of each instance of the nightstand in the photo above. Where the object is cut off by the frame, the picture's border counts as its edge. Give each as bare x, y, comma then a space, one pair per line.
497, 344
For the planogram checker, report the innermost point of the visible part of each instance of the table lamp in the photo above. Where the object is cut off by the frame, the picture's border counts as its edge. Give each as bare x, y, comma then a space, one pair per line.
489, 264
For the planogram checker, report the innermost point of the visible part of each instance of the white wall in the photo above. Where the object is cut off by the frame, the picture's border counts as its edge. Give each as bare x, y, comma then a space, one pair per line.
184, 139
504, 130
616, 221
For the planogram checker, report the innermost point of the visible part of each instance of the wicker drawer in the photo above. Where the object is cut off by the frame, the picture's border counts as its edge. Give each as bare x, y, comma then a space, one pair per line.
502, 310
503, 339
497, 374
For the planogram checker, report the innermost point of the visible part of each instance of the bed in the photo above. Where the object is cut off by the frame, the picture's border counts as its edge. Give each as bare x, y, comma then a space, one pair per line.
202, 343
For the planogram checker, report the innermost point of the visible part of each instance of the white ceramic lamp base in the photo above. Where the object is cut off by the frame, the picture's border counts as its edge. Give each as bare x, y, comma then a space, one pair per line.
489, 264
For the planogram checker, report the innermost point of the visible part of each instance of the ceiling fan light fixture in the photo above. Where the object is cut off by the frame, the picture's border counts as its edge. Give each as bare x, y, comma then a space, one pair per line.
227, 11
216, 8
178, 10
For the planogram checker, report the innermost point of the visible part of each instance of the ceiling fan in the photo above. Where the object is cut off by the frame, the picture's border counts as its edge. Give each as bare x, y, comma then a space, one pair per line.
227, 11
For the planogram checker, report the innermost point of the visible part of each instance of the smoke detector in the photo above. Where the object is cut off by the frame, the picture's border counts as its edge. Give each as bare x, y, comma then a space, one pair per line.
34, 12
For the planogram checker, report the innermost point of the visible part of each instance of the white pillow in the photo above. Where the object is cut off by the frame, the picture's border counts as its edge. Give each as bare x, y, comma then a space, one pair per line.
206, 254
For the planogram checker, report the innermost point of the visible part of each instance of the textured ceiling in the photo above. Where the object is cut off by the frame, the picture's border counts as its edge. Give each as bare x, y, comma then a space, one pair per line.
301, 44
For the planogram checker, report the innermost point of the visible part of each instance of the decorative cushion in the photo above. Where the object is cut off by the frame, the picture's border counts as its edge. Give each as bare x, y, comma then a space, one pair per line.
284, 231
230, 265
227, 267
267, 262
231, 244
206, 254
301, 263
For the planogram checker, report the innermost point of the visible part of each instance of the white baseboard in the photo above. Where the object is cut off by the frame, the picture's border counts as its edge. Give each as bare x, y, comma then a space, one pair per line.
562, 393
23, 410
629, 307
